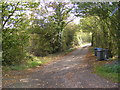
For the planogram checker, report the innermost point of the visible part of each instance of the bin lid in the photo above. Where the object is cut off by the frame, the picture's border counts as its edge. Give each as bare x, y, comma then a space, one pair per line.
100, 50
97, 48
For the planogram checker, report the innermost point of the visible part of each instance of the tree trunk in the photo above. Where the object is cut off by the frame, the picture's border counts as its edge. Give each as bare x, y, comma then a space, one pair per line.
92, 41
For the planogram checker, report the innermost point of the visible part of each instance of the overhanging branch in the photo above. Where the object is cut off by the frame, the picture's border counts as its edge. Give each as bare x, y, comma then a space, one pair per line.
10, 15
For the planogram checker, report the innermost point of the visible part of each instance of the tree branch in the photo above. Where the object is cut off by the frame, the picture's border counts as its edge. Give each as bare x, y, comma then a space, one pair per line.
10, 15
68, 22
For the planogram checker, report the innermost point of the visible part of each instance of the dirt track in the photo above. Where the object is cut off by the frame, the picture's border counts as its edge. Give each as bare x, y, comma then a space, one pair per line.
69, 72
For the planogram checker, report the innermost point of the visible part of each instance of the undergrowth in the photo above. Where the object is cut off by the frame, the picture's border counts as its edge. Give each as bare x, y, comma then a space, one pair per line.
34, 61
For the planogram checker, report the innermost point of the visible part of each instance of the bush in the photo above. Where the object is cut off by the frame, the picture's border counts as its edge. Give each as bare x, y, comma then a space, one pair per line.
14, 46
68, 38
40, 46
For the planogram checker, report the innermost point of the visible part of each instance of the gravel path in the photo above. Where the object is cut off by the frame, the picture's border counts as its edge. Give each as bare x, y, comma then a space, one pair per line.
69, 72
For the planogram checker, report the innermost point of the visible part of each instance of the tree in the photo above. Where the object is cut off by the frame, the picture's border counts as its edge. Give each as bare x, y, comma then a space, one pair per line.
60, 16
14, 32
108, 31
52, 23
90, 25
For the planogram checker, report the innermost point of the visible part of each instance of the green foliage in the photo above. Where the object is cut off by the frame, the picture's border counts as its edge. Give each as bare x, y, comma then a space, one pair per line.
109, 71
60, 15
48, 32
43, 37
68, 37
24, 66
14, 46
111, 68
14, 33
42, 41
34, 64
42, 32
32, 61
40, 46
104, 29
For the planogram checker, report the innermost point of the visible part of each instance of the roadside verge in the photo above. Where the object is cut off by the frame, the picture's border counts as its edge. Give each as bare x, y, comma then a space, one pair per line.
109, 69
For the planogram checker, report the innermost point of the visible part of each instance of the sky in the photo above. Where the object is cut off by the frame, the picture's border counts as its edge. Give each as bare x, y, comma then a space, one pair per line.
76, 19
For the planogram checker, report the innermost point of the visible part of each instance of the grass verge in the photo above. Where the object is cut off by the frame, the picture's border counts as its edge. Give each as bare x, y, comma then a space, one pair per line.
109, 69
29, 64
37, 61
110, 72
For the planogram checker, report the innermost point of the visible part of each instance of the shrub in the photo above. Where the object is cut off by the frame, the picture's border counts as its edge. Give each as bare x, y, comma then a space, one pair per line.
14, 46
